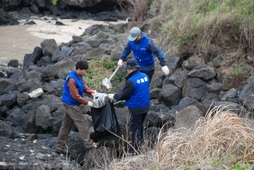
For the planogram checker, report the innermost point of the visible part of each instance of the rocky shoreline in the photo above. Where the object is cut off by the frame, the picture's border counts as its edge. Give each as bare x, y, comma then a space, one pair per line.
29, 126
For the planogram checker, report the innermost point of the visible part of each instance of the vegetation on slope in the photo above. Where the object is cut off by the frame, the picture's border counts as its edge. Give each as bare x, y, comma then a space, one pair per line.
204, 28
221, 140
208, 29
207, 22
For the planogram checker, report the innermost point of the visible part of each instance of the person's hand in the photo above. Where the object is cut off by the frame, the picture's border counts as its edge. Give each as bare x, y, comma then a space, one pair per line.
120, 63
91, 104
90, 91
165, 70
111, 96
94, 91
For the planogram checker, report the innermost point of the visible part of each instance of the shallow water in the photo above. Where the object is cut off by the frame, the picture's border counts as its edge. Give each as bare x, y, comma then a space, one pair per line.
15, 42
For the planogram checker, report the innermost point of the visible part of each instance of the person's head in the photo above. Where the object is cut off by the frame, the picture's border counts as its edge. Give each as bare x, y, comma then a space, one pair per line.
81, 67
131, 65
135, 34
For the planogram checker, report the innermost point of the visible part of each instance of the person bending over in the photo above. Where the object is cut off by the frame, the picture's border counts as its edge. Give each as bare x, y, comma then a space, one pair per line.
73, 93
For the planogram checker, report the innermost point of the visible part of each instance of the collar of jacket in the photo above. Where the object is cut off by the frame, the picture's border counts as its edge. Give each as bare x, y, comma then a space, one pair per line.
129, 75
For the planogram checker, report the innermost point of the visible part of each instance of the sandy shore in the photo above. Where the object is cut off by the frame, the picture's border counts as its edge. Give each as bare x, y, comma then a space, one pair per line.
46, 29
16, 41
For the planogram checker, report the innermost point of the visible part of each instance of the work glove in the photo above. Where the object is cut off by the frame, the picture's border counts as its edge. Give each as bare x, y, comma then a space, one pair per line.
111, 96
120, 63
91, 104
165, 70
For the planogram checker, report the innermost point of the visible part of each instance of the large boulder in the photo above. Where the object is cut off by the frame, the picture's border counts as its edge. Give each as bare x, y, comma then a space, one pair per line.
187, 117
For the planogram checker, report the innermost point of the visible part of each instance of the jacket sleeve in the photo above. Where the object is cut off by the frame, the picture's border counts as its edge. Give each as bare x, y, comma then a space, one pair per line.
125, 52
126, 92
156, 51
74, 92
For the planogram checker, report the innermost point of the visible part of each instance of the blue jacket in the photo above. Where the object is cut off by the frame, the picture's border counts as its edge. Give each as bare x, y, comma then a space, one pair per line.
136, 93
144, 51
67, 98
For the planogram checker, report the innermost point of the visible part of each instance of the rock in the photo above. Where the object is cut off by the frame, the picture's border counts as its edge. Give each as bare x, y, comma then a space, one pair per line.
194, 88
203, 72
42, 117
13, 63
49, 47
187, 117
171, 95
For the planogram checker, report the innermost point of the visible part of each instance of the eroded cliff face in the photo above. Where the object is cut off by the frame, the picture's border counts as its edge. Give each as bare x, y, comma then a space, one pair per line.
100, 10
42, 5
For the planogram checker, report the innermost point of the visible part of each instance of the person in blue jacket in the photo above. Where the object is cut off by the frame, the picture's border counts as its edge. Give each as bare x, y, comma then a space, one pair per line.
143, 49
136, 92
72, 97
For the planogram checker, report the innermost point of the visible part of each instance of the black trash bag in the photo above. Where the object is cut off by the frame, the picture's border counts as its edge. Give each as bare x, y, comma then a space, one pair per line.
104, 120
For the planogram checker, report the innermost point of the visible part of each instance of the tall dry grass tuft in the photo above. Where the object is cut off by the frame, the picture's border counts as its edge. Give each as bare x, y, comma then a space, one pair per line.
221, 139
138, 10
142, 161
247, 33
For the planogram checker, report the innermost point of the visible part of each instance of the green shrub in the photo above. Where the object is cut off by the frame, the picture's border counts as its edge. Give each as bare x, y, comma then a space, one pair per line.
98, 70
238, 71
241, 166
108, 64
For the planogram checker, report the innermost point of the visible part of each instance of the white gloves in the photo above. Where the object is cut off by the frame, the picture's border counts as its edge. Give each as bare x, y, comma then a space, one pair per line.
91, 104
165, 70
120, 63
111, 96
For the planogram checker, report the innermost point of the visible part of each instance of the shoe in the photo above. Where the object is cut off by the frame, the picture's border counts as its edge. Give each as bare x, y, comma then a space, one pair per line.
62, 151
91, 145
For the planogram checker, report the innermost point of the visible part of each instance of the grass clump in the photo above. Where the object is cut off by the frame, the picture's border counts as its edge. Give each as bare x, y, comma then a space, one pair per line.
205, 21
98, 70
221, 140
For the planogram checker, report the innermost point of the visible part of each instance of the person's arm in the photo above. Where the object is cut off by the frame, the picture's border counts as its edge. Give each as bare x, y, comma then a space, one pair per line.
160, 55
125, 52
74, 92
126, 92
156, 51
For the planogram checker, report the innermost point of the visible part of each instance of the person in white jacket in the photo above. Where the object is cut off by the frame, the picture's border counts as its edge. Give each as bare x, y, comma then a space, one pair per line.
144, 49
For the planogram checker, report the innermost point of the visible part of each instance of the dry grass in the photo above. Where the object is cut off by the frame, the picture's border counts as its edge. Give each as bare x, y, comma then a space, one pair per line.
220, 140
138, 10
146, 161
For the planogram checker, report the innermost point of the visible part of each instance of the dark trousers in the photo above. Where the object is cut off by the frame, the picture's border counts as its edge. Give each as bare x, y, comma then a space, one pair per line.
149, 74
137, 129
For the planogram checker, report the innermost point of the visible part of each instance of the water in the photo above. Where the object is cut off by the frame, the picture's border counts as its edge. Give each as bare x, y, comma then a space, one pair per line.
15, 42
